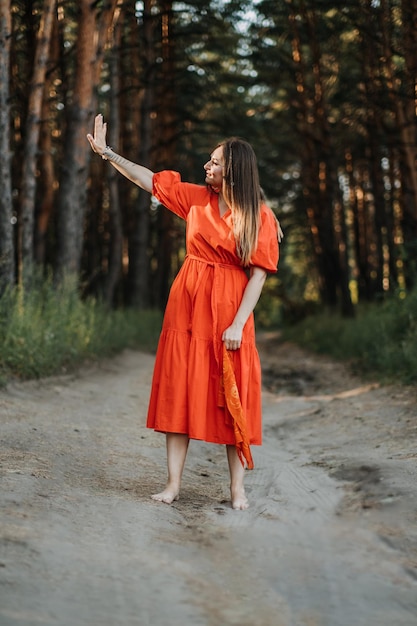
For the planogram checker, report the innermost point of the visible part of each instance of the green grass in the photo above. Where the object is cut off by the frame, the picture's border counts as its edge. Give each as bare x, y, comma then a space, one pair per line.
381, 341
50, 331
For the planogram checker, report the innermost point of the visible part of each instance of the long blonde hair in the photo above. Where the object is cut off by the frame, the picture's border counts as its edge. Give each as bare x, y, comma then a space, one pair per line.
242, 193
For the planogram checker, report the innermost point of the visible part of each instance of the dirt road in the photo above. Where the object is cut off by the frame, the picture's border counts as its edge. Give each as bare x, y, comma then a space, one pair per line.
330, 538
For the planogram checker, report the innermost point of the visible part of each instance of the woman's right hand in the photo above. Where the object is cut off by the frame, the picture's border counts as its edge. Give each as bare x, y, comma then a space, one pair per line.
98, 142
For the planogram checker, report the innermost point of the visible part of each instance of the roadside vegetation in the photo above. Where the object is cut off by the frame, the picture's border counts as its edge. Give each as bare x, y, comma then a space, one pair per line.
52, 330
380, 341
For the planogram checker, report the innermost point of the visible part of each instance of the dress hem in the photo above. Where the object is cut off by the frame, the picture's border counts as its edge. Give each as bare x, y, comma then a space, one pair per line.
256, 442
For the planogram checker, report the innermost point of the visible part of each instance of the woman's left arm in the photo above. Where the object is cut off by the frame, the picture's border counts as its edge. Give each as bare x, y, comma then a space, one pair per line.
232, 336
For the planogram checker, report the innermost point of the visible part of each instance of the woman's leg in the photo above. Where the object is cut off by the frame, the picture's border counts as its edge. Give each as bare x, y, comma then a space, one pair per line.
237, 474
177, 446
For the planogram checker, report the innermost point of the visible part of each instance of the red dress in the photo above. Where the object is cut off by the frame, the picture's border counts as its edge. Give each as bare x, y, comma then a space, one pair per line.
203, 302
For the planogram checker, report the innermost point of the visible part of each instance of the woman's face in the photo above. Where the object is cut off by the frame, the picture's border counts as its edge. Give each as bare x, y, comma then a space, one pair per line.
214, 169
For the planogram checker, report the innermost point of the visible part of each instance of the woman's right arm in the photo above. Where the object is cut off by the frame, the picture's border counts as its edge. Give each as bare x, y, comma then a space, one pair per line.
138, 174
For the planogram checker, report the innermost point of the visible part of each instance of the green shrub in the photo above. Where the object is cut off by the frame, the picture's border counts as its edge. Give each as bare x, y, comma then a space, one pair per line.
49, 330
381, 340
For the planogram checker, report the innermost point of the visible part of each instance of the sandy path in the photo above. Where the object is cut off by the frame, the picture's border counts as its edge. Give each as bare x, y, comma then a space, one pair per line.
330, 538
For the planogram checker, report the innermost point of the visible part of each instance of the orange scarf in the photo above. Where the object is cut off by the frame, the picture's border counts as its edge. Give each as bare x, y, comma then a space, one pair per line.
234, 406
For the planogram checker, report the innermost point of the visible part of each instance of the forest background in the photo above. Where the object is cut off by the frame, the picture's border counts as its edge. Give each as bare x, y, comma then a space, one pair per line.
325, 91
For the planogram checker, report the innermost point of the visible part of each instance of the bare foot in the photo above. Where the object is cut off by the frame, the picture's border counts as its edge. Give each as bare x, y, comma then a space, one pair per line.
239, 500
168, 496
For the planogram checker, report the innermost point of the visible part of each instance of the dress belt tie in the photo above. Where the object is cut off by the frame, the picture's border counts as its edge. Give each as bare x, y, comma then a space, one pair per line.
217, 266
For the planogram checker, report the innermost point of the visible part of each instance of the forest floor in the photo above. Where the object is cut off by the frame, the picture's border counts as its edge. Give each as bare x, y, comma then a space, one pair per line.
330, 538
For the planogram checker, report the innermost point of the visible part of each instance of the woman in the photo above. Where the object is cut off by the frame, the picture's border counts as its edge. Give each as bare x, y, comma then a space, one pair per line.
207, 378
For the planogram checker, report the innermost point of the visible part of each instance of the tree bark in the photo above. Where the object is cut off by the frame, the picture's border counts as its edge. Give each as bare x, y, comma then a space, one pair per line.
7, 259
138, 278
409, 25
46, 193
166, 151
115, 213
33, 124
92, 34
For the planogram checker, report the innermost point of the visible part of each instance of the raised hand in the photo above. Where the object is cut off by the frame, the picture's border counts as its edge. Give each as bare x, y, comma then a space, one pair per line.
98, 142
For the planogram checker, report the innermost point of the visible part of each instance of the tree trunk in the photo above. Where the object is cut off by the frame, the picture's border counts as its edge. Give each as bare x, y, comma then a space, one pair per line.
409, 25
374, 255
47, 186
138, 278
71, 202
166, 151
115, 213
381, 281
33, 123
7, 260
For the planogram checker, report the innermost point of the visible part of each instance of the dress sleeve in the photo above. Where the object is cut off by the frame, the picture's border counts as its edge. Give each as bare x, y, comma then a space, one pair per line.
172, 192
267, 252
